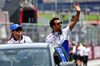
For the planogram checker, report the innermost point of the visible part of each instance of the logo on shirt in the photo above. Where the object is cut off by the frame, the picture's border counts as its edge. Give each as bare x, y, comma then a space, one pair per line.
13, 41
54, 37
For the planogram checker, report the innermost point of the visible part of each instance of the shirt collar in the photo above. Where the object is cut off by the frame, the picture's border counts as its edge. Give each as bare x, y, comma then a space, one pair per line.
16, 39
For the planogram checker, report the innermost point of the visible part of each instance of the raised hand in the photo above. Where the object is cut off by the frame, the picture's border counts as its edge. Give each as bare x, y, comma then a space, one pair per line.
77, 7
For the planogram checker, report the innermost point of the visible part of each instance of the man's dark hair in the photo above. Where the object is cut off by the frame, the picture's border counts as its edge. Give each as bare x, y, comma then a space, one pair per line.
52, 21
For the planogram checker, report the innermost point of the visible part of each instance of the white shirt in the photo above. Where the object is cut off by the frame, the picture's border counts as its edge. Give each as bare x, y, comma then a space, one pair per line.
74, 49
87, 51
24, 39
51, 38
81, 50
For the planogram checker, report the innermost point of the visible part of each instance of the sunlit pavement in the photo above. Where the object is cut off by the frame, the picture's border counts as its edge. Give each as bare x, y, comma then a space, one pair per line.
94, 62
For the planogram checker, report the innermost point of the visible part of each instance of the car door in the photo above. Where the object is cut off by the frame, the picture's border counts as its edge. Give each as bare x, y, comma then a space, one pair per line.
60, 55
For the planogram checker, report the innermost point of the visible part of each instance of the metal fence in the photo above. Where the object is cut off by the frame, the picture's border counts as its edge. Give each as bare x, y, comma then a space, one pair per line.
38, 33
89, 35
5, 32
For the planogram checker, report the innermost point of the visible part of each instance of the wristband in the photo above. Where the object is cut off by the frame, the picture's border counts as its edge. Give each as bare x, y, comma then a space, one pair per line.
78, 13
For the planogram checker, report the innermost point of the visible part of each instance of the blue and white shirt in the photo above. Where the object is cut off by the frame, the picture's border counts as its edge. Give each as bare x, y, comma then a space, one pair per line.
61, 39
24, 39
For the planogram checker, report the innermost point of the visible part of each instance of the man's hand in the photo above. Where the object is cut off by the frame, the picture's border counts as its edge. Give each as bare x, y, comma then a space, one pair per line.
77, 7
15, 59
74, 21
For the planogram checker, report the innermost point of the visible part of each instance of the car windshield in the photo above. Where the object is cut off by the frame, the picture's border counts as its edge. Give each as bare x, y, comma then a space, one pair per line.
24, 57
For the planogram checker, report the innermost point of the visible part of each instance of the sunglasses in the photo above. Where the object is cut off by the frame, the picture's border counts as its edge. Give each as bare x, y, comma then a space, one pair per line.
59, 23
19, 28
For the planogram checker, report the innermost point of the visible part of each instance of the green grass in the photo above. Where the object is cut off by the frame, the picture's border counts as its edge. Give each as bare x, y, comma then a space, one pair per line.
49, 16
90, 17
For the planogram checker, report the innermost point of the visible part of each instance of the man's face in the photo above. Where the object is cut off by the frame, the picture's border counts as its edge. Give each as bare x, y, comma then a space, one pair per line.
18, 31
57, 25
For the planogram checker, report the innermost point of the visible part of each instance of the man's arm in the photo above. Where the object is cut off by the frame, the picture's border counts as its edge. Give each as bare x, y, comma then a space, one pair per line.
74, 21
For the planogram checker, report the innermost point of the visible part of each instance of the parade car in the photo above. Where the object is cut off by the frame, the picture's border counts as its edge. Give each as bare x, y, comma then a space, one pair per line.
33, 54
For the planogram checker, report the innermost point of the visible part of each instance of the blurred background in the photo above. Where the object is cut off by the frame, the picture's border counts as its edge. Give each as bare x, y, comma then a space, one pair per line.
34, 16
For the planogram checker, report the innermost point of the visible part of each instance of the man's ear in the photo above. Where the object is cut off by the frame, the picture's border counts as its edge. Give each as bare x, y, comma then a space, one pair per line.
53, 26
12, 31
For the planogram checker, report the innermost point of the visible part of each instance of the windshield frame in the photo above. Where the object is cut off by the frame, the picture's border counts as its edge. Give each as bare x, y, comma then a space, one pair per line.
19, 49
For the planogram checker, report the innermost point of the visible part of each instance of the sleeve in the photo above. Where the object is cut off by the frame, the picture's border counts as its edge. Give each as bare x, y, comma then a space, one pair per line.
47, 40
67, 30
29, 40
8, 42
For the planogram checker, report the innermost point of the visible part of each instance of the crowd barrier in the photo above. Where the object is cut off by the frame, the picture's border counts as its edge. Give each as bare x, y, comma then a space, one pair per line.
95, 52
38, 32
